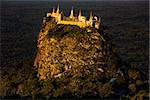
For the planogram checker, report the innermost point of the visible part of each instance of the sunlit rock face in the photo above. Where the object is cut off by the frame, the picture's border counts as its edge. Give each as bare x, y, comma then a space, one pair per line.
70, 50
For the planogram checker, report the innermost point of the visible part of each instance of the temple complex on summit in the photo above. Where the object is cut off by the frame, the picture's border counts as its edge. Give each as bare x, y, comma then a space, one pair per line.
79, 20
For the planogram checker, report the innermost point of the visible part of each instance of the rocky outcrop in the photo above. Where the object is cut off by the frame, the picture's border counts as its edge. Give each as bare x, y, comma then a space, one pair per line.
64, 48
82, 61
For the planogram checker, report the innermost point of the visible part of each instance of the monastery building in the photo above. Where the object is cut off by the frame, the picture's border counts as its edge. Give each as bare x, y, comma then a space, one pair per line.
79, 20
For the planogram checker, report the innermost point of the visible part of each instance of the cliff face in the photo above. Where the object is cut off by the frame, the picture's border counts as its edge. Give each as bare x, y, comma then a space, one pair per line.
63, 49
78, 60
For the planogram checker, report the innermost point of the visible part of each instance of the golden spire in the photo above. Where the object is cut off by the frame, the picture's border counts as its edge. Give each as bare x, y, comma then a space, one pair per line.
79, 12
100, 19
53, 10
71, 14
91, 16
57, 9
